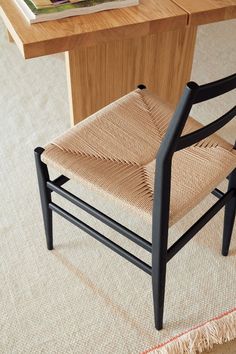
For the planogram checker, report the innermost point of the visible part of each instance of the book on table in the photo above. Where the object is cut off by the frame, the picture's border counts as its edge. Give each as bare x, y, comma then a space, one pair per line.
46, 10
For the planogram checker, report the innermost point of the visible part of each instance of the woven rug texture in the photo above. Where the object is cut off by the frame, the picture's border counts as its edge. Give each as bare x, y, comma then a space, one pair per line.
82, 298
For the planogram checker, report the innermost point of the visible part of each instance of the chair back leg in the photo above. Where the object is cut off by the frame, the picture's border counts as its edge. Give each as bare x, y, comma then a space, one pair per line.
158, 281
229, 218
45, 196
160, 229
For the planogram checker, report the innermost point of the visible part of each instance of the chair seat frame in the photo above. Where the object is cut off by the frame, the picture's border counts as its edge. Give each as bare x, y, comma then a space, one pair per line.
172, 142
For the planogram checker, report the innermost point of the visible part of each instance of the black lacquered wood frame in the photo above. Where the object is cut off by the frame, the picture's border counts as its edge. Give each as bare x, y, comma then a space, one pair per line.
172, 142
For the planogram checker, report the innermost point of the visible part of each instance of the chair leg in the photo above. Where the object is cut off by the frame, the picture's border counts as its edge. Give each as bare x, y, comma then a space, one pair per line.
158, 289
45, 196
160, 230
159, 261
229, 218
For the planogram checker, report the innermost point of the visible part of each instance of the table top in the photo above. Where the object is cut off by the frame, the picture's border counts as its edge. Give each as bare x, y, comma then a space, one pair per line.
207, 11
62, 35
149, 17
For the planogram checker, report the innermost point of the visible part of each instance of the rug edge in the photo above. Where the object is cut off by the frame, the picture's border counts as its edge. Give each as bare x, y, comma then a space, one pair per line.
218, 330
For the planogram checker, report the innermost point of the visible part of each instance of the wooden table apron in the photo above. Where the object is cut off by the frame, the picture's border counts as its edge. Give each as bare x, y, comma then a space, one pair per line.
151, 44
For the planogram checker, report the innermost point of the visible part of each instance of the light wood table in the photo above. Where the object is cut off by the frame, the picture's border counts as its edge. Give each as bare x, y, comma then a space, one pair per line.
207, 11
109, 53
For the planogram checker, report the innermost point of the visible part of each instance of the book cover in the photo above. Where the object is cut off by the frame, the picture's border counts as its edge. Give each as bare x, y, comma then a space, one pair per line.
39, 4
47, 3
71, 9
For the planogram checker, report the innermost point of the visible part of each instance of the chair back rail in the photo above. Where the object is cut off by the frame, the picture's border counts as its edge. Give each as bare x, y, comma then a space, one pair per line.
193, 93
172, 142
204, 132
215, 88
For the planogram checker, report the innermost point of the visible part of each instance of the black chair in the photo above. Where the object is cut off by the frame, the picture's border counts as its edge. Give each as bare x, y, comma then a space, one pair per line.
160, 162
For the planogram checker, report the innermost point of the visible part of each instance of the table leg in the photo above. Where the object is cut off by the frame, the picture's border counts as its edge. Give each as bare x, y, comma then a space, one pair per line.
98, 75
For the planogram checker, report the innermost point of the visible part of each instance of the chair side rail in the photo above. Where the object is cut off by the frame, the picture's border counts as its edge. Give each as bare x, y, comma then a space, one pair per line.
195, 228
101, 216
99, 237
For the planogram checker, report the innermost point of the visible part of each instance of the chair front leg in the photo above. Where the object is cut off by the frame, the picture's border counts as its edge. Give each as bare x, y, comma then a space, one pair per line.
229, 218
45, 196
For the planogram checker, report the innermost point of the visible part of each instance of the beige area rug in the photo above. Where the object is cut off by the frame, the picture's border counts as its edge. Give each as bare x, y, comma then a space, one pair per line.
81, 298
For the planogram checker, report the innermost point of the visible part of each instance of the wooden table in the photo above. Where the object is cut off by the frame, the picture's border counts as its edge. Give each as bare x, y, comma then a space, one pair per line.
207, 11
109, 53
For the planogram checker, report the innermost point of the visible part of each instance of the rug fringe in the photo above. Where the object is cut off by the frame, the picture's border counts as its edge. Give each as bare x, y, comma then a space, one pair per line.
201, 338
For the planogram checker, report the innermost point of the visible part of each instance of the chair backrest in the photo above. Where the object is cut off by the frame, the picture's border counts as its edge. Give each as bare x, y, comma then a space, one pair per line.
193, 93
173, 141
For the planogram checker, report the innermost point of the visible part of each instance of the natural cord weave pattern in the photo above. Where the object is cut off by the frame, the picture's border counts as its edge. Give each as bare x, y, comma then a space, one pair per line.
114, 150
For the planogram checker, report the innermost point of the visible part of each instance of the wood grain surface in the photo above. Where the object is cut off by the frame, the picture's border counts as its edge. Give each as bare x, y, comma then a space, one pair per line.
100, 74
207, 11
87, 30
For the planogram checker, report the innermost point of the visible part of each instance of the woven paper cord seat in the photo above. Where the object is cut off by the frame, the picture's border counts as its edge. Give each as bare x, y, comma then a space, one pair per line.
114, 150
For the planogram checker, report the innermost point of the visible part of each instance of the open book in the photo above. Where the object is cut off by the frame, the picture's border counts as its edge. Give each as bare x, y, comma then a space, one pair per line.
45, 10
